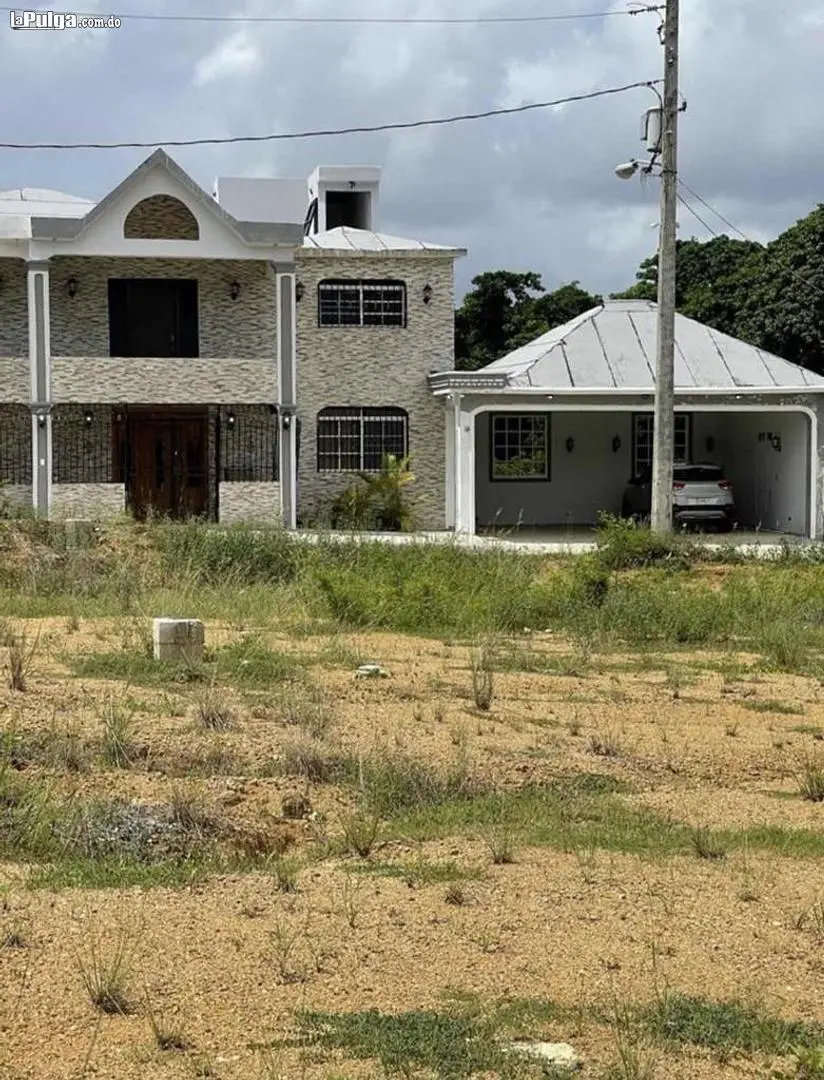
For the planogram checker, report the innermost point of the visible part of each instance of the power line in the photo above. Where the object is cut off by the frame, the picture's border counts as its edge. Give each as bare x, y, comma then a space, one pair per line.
717, 213
697, 216
360, 130
479, 20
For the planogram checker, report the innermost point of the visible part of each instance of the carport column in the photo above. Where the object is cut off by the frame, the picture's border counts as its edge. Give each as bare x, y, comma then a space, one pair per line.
40, 371
287, 393
451, 463
464, 469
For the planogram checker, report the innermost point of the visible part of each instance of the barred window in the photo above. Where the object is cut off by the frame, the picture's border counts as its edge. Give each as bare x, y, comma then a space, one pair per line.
520, 446
643, 426
361, 303
357, 439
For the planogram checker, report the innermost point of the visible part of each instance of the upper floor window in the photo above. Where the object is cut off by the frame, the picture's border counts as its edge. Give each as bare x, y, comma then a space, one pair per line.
361, 303
358, 439
642, 431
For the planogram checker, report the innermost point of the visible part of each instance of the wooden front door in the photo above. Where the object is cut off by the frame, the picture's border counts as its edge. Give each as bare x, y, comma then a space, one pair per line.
168, 465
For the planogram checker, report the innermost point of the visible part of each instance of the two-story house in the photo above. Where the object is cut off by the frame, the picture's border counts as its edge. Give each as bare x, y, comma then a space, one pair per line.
233, 356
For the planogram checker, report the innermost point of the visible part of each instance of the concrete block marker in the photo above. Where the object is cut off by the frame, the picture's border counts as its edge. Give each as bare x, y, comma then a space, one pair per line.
179, 640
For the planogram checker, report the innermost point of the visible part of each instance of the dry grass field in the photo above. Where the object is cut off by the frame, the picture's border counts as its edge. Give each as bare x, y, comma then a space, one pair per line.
571, 811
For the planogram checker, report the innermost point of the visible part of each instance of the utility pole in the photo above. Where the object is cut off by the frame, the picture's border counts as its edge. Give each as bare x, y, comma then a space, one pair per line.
663, 446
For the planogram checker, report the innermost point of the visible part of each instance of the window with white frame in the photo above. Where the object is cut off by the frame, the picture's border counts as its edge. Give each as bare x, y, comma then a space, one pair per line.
643, 425
361, 303
519, 445
358, 439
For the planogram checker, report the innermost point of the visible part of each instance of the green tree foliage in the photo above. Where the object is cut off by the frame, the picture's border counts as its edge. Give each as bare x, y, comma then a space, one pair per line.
505, 309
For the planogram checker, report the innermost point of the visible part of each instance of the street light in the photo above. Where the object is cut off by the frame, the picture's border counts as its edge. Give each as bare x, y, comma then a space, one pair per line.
627, 169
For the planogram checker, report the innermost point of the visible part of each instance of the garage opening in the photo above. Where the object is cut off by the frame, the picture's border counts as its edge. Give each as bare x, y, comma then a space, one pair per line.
555, 468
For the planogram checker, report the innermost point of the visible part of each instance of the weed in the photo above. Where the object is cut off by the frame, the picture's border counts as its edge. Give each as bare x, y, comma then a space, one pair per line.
21, 653
118, 747
811, 781
812, 920
482, 678
351, 899
501, 841
731, 730
634, 1056
105, 978
606, 744
360, 833
456, 896
311, 761
706, 845
780, 708
286, 873
809, 1062
308, 709
212, 710
284, 941
166, 1035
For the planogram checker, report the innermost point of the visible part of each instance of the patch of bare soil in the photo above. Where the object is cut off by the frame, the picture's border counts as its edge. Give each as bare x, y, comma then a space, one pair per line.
227, 962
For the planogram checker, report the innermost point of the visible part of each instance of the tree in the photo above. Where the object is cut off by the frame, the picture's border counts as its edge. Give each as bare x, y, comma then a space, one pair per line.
714, 280
506, 309
784, 308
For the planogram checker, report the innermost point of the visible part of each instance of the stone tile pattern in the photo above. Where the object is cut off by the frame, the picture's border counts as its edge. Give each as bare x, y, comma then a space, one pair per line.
161, 217
14, 316
94, 502
254, 502
82, 453
243, 329
374, 366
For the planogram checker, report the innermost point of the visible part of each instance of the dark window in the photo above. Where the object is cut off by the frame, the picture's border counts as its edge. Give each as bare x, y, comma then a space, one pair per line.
153, 317
358, 439
249, 444
519, 446
362, 303
643, 425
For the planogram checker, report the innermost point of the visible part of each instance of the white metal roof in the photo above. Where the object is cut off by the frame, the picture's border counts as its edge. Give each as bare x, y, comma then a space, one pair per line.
612, 347
348, 239
20, 205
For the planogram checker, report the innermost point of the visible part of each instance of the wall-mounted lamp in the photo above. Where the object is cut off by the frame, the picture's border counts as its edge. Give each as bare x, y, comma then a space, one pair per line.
775, 443
230, 420
616, 443
41, 420
427, 294
287, 422
234, 290
300, 289
71, 287
87, 419
570, 444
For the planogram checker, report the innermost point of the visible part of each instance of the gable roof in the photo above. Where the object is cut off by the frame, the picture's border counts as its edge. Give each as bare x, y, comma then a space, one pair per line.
348, 239
249, 232
613, 347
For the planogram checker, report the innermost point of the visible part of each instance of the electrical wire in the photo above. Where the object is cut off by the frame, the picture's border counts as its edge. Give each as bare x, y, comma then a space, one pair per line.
319, 20
697, 216
359, 130
717, 213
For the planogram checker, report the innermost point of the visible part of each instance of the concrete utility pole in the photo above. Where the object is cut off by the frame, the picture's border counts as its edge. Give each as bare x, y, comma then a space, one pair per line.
663, 447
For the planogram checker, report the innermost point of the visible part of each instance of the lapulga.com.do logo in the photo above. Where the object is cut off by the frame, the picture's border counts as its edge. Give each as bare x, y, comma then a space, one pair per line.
61, 20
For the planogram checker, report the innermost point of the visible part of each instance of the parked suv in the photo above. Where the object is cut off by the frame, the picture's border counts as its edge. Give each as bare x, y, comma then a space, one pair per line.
701, 494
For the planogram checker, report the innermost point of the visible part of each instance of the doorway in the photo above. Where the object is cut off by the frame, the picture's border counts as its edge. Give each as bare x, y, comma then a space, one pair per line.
163, 460
153, 317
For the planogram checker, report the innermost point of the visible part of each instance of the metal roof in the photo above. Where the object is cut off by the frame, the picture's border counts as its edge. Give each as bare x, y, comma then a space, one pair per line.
20, 205
612, 347
363, 240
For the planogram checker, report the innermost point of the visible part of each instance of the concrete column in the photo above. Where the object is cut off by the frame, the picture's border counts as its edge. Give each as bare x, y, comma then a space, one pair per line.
40, 371
287, 393
451, 463
464, 470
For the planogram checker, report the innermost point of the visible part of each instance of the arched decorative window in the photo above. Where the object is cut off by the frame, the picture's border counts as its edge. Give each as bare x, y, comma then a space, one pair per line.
161, 217
344, 302
355, 439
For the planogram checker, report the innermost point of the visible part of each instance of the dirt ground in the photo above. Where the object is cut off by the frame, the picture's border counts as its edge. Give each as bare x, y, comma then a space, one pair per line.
576, 927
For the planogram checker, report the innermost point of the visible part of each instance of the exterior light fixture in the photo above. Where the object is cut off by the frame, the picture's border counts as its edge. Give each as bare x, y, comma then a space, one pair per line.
627, 169
71, 287
287, 421
87, 419
234, 290
427, 294
570, 444
300, 288
616, 443
41, 420
230, 420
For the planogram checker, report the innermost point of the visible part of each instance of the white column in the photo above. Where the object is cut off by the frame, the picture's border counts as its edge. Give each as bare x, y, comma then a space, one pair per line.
40, 371
287, 393
451, 463
464, 470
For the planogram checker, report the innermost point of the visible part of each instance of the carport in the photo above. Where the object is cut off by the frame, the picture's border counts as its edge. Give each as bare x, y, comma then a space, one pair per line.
550, 435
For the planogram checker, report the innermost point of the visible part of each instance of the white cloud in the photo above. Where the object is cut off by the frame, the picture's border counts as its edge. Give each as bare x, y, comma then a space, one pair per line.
237, 57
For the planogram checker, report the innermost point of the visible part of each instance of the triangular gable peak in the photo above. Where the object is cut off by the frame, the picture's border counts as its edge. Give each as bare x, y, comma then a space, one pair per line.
160, 211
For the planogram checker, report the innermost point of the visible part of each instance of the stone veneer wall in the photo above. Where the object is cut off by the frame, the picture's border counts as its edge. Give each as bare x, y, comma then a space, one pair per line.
242, 328
91, 501
376, 366
249, 502
15, 445
82, 453
161, 217
14, 310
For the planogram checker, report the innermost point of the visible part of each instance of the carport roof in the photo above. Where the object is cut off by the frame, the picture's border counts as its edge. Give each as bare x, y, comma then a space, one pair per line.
612, 348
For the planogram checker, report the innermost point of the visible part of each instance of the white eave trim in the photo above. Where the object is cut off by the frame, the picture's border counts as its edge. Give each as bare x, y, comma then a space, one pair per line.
442, 386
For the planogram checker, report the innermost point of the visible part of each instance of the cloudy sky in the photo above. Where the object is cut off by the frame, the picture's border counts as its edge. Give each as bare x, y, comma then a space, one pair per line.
528, 192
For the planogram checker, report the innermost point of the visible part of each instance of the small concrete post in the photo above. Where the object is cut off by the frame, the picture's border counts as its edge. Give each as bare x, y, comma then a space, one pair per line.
178, 640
